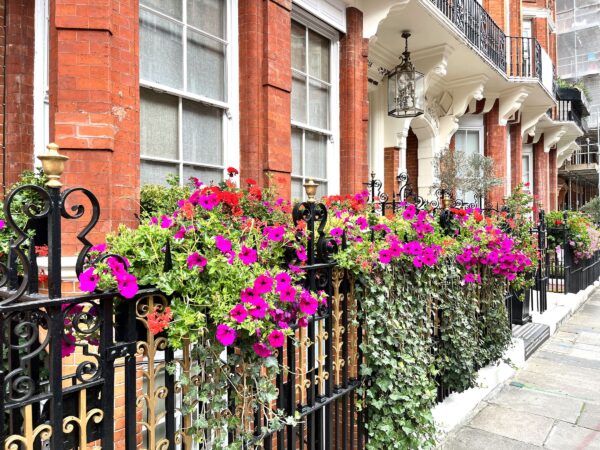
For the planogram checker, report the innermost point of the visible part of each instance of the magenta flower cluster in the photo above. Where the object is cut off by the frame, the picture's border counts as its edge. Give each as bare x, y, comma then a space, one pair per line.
273, 303
499, 255
420, 253
126, 283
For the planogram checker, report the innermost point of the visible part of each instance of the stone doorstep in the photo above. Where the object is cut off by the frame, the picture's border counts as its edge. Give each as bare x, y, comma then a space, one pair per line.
457, 408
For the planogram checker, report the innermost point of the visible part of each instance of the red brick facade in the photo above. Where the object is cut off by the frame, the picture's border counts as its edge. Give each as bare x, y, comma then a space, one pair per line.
94, 103
265, 90
516, 155
540, 174
18, 88
495, 148
354, 104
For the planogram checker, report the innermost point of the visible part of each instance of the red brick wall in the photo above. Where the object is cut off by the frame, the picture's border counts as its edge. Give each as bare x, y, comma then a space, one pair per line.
391, 162
265, 91
19, 88
516, 156
412, 159
552, 180
354, 105
540, 32
94, 105
540, 173
495, 148
495, 9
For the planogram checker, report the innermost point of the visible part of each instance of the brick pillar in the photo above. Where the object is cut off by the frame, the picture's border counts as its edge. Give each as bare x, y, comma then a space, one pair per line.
540, 173
94, 105
353, 105
553, 180
412, 159
516, 156
540, 32
495, 148
391, 157
496, 10
19, 40
265, 91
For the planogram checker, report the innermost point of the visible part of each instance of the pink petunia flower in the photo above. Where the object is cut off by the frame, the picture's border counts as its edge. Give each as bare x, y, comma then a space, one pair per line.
226, 335
287, 294
128, 286
67, 345
247, 255
101, 248
283, 280
222, 244
308, 304
239, 313
337, 232
196, 260
259, 308
166, 222
263, 284
262, 350
276, 339
88, 280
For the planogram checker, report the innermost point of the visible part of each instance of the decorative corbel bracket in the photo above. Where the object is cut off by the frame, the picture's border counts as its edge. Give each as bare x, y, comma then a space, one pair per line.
552, 135
530, 116
510, 102
433, 62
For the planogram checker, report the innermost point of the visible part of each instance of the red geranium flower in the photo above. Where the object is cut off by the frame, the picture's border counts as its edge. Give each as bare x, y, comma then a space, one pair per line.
232, 171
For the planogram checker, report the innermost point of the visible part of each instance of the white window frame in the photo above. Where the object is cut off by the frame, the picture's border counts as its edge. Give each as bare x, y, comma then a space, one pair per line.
230, 107
528, 152
41, 103
333, 142
472, 122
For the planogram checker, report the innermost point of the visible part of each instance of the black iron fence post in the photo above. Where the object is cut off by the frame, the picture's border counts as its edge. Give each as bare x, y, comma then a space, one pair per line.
567, 254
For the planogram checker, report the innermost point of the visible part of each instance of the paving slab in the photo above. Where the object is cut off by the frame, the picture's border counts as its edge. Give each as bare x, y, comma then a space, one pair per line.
517, 425
590, 416
540, 403
565, 436
473, 439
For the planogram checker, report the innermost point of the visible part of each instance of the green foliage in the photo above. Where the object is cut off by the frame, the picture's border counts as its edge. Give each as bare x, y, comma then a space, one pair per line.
156, 200
593, 209
399, 359
21, 201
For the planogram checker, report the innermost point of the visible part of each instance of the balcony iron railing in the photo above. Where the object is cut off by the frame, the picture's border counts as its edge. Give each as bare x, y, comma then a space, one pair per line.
567, 113
586, 155
525, 57
478, 27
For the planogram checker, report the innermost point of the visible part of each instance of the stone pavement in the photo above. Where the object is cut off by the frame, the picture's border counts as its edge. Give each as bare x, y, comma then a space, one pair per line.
553, 402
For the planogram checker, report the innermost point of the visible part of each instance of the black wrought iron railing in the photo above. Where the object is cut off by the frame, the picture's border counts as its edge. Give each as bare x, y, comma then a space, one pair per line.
525, 57
478, 27
567, 113
586, 155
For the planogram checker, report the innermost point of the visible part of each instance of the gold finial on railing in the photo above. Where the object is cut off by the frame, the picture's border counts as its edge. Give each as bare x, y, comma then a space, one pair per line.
53, 164
310, 187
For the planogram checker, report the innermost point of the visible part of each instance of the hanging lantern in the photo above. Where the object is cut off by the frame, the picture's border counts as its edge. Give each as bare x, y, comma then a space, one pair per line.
405, 87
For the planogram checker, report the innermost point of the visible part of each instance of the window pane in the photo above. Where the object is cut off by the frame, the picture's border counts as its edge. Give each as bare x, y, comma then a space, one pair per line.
152, 172
161, 50
525, 168
158, 124
206, 66
296, 151
318, 56
172, 8
208, 15
299, 98
298, 47
297, 189
204, 174
318, 105
459, 141
472, 142
316, 155
202, 133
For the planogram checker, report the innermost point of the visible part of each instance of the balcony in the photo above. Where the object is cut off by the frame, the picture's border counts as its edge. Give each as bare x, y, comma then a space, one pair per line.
525, 57
478, 27
572, 106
